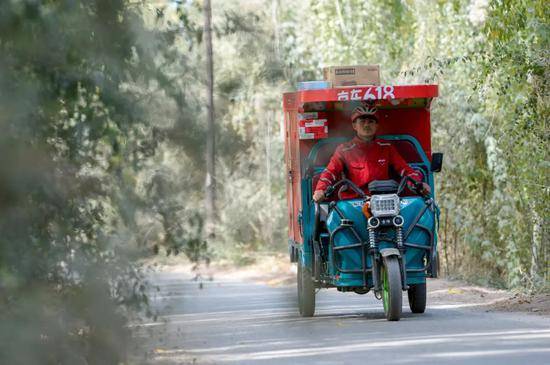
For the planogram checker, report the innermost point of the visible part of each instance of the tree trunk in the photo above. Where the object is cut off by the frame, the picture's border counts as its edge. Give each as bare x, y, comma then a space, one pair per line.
536, 246
446, 244
210, 181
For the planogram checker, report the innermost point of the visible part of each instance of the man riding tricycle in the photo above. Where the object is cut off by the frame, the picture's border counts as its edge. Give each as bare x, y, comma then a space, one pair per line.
362, 214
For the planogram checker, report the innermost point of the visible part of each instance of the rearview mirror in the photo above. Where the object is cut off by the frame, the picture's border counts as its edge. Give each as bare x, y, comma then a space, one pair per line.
437, 161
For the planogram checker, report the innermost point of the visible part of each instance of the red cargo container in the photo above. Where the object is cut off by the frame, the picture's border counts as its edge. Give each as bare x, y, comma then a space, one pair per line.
401, 110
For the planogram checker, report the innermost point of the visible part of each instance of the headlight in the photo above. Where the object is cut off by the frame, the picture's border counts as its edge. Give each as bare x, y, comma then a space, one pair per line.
384, 205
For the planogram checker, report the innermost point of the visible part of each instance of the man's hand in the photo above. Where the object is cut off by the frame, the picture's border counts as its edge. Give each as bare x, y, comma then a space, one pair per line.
425, 189
319, 196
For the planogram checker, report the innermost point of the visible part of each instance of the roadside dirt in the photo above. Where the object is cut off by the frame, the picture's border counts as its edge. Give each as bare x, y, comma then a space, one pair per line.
531, 303
274, 270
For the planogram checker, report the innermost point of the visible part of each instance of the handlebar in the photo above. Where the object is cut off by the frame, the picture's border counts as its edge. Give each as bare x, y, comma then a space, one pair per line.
353, 187
416, 186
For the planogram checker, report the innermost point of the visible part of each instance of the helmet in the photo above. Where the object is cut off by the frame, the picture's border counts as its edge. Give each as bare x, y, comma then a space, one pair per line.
364, 111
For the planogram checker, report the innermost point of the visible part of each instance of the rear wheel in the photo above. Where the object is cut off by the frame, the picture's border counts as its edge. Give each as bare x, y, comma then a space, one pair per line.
306, 291
417, 298
392, 295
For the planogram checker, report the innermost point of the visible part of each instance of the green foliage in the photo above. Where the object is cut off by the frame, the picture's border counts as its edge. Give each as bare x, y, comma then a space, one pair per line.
102, 161
78, 184
251, 201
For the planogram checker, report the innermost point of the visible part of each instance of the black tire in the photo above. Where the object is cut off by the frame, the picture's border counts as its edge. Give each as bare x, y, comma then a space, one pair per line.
392, 295
417, 298
306, 291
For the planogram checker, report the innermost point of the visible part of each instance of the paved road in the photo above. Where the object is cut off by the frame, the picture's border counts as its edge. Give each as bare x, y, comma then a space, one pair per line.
229, 322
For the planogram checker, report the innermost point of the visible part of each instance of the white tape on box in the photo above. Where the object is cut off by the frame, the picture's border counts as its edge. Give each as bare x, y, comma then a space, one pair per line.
316, 123
310, 115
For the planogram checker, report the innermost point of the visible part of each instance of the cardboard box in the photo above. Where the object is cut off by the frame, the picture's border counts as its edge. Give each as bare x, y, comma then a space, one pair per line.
312, 125
313, 85
352, 75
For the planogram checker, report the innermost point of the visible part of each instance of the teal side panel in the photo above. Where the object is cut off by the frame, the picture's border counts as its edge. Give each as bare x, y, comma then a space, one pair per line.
415, 257
349, 259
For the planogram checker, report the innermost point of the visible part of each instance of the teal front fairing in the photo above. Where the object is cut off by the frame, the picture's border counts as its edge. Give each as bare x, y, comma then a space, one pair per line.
419, 242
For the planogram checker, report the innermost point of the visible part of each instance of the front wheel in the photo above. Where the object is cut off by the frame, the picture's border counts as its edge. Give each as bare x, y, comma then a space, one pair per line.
417, 298
306, 291
392, 295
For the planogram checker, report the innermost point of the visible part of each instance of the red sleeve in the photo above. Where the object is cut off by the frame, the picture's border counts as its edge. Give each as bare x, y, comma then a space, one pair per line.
401, 167
333, 170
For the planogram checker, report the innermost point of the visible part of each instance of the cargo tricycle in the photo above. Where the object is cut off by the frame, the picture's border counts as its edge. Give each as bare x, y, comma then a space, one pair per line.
384, 242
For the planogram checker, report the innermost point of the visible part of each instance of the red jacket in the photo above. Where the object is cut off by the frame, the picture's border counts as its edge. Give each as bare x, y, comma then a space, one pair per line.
363, 162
